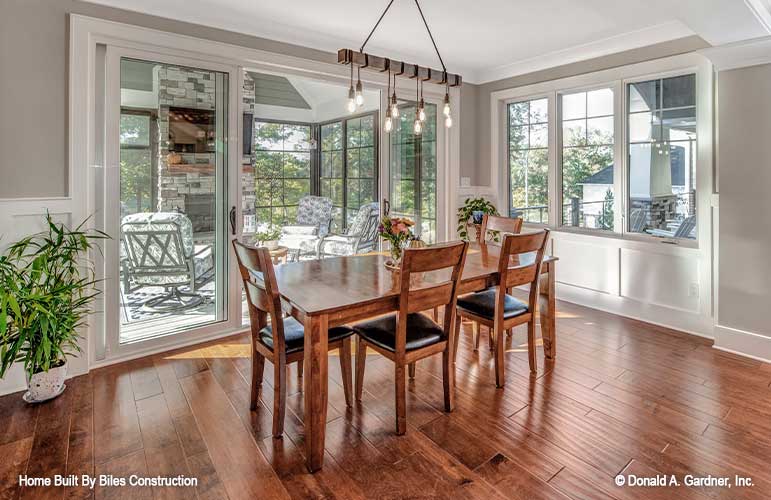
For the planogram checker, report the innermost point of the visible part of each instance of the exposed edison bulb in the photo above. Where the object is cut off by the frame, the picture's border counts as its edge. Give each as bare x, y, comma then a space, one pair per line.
394, 111
351, 100
389, 124
422, 115
446, 109
418, 128
448, 121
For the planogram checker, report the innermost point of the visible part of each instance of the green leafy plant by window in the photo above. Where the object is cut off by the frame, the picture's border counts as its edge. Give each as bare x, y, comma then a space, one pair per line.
466, 212
270, 233
48, 286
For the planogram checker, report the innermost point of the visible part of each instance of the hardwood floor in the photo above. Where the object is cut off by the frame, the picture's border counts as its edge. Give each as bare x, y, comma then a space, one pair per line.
622, 396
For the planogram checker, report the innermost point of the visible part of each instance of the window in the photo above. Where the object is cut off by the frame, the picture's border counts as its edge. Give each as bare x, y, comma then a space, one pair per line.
413, 171
282, 170
662, 157
348, 166
529, 160
587, 159
137, 187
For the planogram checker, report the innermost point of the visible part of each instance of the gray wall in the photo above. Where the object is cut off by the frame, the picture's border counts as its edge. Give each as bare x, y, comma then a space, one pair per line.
33, 87
482, 120
744, 165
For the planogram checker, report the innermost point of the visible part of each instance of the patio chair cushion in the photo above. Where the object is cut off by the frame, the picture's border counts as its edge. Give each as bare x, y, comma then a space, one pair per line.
315, 211
338, 244
294, 335
162, 221
305, 230
483, 304
421, 331
359, 223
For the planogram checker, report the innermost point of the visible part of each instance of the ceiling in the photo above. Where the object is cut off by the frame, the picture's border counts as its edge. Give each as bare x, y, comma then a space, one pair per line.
483, 40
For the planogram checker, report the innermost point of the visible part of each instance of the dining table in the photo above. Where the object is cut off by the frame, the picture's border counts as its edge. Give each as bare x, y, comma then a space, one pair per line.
325, 293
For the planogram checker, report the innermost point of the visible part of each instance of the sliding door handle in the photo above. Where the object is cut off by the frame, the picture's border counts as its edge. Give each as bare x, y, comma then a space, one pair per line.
232, 217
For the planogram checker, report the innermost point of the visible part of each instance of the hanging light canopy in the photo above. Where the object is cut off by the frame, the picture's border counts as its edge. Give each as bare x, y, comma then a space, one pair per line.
363, 60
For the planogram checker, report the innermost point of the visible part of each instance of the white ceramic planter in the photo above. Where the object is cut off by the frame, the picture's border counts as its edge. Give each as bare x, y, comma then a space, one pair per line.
271, 244
45, 385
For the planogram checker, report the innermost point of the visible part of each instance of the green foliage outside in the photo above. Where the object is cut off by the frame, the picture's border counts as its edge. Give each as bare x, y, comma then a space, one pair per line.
135, 163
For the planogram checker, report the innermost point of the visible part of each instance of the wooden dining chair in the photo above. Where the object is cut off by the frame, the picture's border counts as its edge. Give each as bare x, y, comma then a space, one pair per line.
498, 310
282, 340
408, 335
497, 225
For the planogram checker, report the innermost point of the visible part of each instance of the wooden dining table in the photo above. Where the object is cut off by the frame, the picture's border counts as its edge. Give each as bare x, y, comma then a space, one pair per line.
339, 291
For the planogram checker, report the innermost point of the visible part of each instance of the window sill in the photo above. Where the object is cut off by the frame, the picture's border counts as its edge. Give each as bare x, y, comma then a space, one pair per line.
631, 237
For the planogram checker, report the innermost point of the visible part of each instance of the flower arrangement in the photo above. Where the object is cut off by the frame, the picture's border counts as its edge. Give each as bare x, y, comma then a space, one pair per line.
396, 231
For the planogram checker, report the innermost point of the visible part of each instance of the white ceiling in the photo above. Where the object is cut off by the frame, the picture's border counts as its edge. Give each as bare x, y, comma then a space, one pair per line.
483, 40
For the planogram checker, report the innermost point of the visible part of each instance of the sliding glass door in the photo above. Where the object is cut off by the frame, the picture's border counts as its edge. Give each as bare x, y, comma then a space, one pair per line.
167, 202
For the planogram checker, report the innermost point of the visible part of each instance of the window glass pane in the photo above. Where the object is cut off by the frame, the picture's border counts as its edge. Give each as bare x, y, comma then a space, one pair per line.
644, 96
599, 103
662, 161
282, 170
135, 129
679, 91
574, 106
588, 198
528, 160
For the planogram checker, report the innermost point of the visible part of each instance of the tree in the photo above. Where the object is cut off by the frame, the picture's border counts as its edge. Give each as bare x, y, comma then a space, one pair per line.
605, 220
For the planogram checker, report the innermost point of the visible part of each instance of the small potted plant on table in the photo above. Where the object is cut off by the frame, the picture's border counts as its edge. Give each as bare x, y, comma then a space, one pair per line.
473, 211
268, 237
48, 287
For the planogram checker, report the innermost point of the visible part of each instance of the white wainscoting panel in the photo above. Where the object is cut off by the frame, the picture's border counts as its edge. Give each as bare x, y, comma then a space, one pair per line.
662, 279
586, 264
19, 218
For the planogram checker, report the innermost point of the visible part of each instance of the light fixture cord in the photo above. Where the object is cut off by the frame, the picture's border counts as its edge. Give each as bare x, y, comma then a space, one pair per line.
376, 25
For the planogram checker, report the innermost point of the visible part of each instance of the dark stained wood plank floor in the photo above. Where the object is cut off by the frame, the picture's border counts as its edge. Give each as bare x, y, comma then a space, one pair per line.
622, 397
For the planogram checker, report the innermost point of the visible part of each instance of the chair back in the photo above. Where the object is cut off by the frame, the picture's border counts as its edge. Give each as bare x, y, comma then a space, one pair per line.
158, 246
315, 211
686, 227
520, 263
511, 225
365, 224
413, 299
256, 268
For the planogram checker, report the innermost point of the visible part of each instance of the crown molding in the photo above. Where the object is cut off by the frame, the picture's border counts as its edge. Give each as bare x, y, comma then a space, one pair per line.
627, 41
740, 54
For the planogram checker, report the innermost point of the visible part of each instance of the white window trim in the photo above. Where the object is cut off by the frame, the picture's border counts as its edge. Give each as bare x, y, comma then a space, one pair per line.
617, 79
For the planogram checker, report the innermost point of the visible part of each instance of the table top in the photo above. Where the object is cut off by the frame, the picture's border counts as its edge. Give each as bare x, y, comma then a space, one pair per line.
330, 285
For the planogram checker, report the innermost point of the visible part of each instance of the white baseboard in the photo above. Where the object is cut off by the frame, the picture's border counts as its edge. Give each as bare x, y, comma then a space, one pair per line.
748, 344
675, 319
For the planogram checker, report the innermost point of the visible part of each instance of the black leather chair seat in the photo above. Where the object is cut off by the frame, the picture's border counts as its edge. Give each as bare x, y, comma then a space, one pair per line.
483, 304
294, 335
421, 331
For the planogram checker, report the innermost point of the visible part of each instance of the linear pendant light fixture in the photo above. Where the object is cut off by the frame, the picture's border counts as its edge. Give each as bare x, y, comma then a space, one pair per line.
363, 60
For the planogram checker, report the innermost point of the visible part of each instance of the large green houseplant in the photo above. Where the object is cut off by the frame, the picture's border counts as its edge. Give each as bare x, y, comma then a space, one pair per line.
48, 286
473, 209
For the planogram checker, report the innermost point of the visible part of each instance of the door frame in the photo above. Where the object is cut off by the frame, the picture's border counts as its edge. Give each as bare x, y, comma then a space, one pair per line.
225, 270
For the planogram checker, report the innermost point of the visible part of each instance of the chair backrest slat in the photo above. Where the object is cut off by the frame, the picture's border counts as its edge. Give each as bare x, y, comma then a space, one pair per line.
261, 288
512, 271
510, 225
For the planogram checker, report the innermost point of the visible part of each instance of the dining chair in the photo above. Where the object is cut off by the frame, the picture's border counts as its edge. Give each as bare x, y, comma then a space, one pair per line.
408, 335
498, 310
282, 340
497, 225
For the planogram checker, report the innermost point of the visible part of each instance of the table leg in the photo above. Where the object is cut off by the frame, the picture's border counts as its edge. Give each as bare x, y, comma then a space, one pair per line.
315, 380
547, 305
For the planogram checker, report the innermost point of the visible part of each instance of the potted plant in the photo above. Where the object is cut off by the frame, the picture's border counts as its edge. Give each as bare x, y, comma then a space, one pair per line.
268, 237
48, 287
473, 209
397, 232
